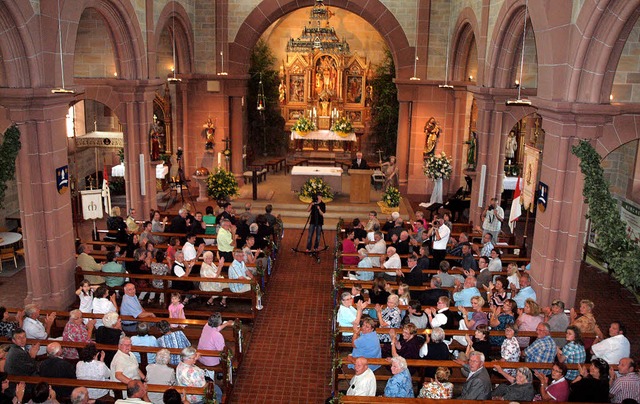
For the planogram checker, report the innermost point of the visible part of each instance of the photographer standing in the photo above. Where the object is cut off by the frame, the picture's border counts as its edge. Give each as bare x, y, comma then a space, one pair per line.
439, 234
493, 217
316, 220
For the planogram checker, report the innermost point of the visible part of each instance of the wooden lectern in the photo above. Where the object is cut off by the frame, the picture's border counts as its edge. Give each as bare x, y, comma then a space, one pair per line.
360, 185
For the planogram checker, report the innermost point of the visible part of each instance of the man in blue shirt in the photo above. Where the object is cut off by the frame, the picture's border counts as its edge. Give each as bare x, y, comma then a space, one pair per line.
131, 307
462, 296
543, 349
365, 342
238, 270
526, 291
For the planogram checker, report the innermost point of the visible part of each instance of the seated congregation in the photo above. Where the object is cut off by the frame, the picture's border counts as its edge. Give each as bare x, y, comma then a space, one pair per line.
145, 320
421, 314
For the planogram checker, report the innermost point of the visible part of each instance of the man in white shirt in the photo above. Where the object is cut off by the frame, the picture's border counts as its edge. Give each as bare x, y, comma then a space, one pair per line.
136, 393
615, 347
189, 249
440, 236
379, 247
363, 384
124, 365
34, 328
393, 262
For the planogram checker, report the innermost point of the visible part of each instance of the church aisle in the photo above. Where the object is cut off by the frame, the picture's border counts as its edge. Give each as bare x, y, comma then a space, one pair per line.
289, 359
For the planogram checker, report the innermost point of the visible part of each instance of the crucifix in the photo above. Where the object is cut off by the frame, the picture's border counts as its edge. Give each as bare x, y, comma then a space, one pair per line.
379, 155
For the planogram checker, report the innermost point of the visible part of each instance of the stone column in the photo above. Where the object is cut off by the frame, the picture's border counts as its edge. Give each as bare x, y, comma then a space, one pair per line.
236, 89
402, 148
45, 214
136, 115
559, 231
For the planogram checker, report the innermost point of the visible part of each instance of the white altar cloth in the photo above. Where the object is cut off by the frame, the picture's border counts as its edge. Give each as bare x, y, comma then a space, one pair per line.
331, 175
509, 183
324, 135
161, 171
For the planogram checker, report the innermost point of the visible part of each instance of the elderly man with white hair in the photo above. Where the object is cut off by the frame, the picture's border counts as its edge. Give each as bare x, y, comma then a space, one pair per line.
478, 384
124, 366
392, 262
378, 247
80, 395
160, 373
399, 385
34, 328
363, 383
365, 262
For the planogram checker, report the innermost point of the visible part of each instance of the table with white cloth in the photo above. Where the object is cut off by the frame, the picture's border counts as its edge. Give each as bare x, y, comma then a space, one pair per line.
509, 183
9, 238
331, 175
324, 135
161, 171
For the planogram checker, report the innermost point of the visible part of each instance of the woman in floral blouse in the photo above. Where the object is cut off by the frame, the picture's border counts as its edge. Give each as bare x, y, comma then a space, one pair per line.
76, 331
188, 374
390, 317
510, 349
440, 387
6, 326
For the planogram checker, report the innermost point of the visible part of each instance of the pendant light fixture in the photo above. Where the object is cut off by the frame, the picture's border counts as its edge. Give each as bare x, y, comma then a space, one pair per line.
262, 100
61, 90
446, 69
174, 79
521, 101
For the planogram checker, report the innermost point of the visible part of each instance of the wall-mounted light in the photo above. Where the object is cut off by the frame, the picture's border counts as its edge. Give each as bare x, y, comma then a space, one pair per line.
470, 78
610, 97
115, 74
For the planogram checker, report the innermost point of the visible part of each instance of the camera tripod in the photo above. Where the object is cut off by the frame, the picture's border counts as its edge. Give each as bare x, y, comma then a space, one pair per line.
313, 253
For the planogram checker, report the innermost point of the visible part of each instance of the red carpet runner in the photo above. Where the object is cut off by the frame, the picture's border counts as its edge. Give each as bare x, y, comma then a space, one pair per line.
289, 358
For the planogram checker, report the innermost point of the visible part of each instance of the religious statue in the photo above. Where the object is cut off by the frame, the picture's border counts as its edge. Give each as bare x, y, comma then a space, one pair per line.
432, 130
209, 133
154, 133
390, 170
511, 146
471, 152
281, 91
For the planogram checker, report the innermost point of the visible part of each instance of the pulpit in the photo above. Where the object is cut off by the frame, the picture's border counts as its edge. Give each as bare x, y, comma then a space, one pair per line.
360, 185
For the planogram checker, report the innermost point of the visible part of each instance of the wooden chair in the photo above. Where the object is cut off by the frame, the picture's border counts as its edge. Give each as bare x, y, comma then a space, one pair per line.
7, 254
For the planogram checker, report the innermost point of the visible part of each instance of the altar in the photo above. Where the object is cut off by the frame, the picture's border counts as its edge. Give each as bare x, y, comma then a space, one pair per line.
331, 175
324, 135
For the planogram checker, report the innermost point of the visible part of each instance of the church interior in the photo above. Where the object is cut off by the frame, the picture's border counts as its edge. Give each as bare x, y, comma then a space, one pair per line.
150, 95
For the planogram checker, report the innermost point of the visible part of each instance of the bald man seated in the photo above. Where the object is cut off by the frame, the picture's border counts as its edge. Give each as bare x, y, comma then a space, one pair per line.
56, 366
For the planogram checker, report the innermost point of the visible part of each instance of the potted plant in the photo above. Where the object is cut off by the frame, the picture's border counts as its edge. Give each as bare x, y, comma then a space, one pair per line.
315, 186
390, 200
342, 127
303, 126
221, 184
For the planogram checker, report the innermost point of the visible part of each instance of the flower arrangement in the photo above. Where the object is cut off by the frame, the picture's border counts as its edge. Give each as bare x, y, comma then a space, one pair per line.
221, 183
304, 125
315, 186
391, 197
342, 125
436, 167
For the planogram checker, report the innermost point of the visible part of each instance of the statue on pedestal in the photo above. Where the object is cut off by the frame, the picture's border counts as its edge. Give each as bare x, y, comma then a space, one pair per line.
432, 130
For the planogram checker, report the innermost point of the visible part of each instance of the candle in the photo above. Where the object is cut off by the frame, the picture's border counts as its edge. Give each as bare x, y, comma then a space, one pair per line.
219, 156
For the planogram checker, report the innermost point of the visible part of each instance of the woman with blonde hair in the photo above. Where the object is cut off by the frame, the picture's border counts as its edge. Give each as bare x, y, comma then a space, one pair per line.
585, 321
439, 387
528, 320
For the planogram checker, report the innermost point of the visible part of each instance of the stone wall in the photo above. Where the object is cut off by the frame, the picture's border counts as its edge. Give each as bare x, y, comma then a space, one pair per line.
94, 55
626, 84
361, 36
205, 37
619, 169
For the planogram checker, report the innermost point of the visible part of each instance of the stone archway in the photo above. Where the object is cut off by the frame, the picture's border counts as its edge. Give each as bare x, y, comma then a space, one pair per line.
183, 36
606, 27
374, 12
127, 40
463, 39
17, 26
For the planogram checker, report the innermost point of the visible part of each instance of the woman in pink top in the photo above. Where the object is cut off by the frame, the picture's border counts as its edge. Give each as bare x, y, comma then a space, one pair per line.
349, 247
212, 339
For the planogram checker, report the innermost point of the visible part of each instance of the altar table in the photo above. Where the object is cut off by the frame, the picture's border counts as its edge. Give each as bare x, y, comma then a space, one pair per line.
324, 135
331, 175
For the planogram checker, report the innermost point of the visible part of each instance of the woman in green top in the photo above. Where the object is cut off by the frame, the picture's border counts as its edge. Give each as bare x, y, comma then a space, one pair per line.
210, 220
